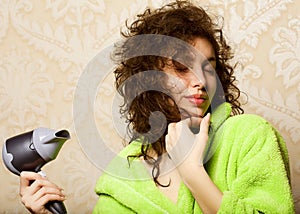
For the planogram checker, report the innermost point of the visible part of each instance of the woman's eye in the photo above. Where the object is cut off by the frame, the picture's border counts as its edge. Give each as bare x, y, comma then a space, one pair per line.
208, 68
180, 67
184, 61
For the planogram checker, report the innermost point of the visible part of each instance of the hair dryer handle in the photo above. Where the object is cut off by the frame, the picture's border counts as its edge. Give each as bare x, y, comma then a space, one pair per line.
56, 207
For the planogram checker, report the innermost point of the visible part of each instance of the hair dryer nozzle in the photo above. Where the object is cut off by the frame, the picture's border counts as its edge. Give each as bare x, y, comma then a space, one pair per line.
48, 142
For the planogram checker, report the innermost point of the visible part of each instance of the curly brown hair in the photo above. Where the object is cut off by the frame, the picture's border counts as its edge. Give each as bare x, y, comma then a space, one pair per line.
181, 20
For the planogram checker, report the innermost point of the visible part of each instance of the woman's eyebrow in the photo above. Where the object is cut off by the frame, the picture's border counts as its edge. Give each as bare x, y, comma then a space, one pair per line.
212, 59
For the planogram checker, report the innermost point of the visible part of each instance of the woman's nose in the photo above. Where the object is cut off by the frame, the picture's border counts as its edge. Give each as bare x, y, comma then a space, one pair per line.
197, 79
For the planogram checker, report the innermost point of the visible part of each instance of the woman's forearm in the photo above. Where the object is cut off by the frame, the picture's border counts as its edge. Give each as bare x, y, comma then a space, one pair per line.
205, 192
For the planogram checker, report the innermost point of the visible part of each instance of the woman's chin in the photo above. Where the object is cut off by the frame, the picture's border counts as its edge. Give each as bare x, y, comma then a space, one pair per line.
195, 130
185, 115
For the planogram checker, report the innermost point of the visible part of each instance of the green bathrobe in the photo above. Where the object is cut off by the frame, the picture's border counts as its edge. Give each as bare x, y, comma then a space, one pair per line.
247, 159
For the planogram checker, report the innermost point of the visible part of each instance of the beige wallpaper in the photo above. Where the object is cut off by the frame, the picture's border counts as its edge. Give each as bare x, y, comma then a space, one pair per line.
45, 46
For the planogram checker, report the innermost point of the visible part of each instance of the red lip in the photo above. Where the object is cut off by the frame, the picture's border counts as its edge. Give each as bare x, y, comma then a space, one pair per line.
197, 99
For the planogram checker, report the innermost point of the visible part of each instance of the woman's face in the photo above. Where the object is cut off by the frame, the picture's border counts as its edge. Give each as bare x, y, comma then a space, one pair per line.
193, 87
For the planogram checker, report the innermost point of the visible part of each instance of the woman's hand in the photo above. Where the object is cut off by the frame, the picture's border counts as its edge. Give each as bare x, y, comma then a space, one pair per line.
187, 151
35, 195
185, 148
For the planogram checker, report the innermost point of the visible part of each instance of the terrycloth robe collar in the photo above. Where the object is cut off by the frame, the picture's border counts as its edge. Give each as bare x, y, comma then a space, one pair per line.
132, 186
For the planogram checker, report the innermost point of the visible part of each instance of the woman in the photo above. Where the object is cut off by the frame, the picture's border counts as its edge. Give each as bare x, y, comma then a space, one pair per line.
203, 155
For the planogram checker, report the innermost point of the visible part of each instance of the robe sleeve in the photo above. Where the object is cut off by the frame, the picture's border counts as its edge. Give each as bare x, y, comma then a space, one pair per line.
257, 170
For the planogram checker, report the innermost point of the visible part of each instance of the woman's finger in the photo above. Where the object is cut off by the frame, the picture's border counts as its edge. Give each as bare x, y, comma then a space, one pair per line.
49, 197
202, 137
204, 126
26, 179
171, 139
39, 183
46, 192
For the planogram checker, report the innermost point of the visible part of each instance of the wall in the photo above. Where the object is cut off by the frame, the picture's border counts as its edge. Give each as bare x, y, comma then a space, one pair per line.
45, 46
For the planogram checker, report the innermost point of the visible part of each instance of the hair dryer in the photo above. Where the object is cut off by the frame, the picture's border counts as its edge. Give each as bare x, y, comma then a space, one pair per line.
32, 150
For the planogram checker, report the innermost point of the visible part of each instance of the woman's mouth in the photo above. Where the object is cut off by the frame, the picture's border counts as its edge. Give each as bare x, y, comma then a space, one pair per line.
196, 99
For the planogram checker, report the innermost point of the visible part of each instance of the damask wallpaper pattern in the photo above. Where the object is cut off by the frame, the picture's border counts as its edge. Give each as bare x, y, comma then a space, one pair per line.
45, 46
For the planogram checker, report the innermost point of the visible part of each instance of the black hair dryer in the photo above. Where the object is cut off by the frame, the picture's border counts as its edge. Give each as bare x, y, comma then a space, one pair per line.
31, 150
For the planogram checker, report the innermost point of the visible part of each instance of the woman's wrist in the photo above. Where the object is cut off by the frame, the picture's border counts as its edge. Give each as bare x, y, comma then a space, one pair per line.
192, 172
206, 193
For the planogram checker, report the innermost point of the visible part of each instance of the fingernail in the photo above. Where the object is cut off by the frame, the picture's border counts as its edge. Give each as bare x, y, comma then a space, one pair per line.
207, 117
43, 174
